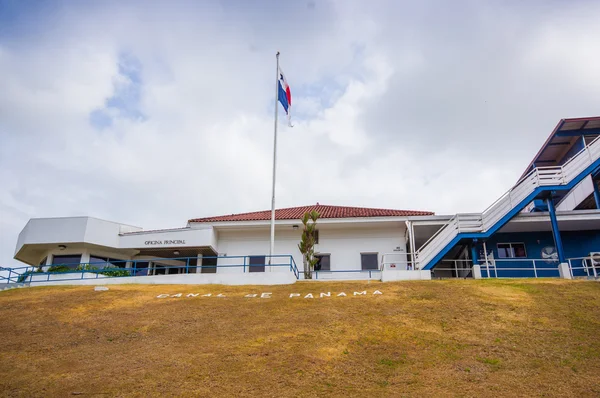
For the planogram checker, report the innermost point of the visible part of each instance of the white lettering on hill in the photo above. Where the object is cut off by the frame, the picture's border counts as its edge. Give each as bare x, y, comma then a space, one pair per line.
269, 295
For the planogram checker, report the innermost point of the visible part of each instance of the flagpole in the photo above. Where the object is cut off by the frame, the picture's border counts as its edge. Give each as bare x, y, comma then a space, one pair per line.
272, 248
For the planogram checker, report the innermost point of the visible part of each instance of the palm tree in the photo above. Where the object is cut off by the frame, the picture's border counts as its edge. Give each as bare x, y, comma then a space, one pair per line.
307, 243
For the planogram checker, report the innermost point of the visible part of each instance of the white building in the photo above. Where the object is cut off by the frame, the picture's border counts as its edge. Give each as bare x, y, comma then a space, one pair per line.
233, 249
546, 225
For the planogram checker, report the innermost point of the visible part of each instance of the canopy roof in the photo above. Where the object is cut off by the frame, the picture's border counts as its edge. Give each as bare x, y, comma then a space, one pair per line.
566, 133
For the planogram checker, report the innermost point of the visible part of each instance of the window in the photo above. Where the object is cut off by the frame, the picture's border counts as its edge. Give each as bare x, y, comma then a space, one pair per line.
106, 262
209, 265
316, 233
368, 261
511, 250
70, 261
141, 268
323, 262
257, 263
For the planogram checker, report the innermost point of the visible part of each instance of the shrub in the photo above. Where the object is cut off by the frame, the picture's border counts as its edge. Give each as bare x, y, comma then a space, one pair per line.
108, 271
60, 268
115, 271
86, 267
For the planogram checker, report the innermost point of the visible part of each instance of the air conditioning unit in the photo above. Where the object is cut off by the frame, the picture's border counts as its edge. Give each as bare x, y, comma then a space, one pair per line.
595, 258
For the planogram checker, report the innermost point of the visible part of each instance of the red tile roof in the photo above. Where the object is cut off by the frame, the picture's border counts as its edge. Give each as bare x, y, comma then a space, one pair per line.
295, 213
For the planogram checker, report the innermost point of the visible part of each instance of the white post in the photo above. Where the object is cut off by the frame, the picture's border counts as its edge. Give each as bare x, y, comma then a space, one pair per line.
487, 264
476, 271
412, 244
272, 248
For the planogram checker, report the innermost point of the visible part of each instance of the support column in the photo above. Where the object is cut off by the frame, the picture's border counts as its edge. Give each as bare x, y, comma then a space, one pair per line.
563, 267
199, 264
85, 257
474, 254
596, 193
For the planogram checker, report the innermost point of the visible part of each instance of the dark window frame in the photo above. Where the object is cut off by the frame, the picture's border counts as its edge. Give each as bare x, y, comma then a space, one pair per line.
368, 267
68, 264
107, 262
319, 265
508, 250
257, 266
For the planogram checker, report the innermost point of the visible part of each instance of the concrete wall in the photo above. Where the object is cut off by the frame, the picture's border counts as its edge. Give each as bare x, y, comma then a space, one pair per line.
42, 233
343, 244
52, 230
400, 275
192, 238
279, 278
256, 242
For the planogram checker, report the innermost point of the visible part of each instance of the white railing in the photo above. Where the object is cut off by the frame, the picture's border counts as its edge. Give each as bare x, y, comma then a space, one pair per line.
498, 267
587, 266
397, 261
481, 222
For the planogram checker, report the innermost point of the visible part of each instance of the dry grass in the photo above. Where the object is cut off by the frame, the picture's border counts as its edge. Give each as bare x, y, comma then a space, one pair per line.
441, 338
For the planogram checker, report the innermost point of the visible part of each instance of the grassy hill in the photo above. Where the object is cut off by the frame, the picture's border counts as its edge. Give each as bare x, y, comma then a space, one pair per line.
438, 338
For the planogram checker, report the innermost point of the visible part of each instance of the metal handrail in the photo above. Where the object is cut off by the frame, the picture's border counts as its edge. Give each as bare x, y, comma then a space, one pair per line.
490, 216
81, 269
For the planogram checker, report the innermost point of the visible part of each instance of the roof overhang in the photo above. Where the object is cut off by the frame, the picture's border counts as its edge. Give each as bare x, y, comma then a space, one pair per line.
42, 235
574, 220
324, 221
563, 137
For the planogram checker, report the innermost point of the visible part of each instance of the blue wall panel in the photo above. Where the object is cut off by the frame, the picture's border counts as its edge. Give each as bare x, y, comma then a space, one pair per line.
575, 243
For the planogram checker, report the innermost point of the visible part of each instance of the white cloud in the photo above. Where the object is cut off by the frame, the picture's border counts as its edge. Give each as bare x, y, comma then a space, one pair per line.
396, 108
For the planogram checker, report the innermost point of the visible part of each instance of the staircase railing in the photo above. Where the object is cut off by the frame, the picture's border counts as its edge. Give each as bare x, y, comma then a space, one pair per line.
482, 222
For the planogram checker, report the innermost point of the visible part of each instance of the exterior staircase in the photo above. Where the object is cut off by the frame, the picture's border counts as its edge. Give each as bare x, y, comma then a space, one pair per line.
482, 225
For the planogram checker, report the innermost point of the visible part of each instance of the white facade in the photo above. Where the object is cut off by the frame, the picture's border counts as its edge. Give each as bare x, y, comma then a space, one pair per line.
344, 242
221, 251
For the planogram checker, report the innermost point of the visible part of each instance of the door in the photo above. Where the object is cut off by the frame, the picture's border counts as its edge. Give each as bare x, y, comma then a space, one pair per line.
257, 263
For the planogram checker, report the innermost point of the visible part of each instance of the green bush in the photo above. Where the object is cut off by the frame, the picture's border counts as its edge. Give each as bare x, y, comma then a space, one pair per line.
108, 271
86, 267
115, 271
60, 268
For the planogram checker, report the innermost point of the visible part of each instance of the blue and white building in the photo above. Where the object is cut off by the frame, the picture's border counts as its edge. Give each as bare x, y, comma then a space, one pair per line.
546, 225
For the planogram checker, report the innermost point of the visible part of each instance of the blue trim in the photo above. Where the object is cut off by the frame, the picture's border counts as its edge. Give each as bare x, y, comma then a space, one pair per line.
591, 169
555, 230
572, 133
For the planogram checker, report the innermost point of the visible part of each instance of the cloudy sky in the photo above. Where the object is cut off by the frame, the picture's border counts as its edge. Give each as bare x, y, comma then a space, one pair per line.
151, 113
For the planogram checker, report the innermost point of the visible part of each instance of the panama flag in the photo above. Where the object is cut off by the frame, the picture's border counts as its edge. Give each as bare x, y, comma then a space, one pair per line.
285, 96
